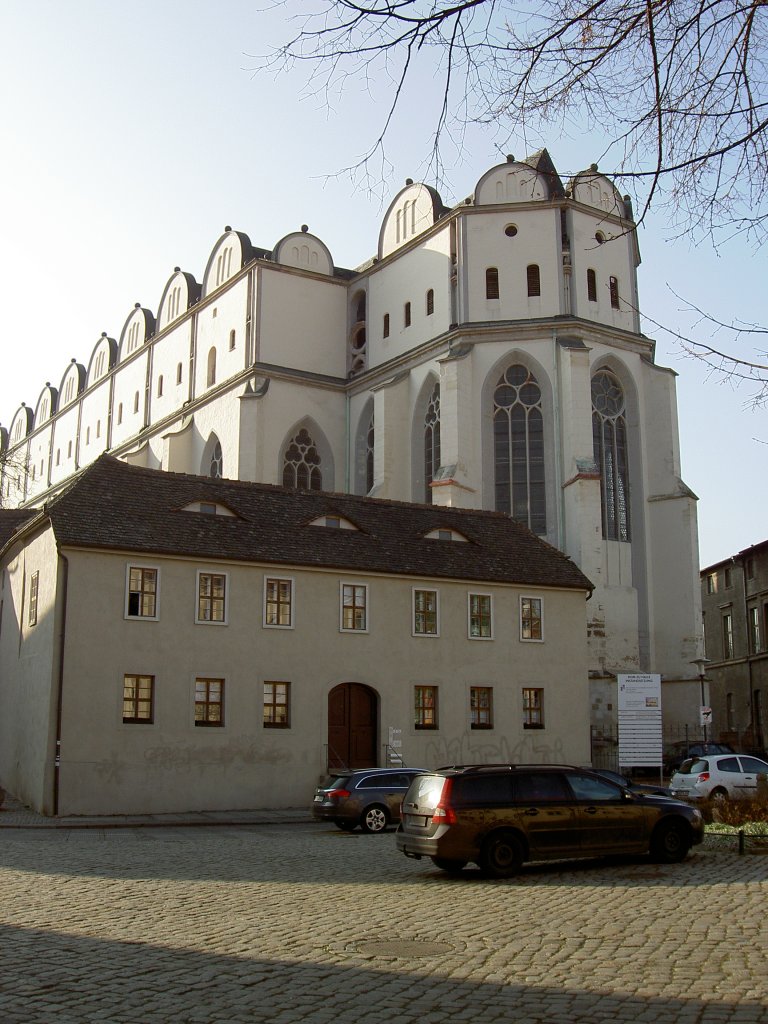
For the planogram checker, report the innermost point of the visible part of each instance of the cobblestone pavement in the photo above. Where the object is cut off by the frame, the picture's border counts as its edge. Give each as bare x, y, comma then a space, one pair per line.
290, 923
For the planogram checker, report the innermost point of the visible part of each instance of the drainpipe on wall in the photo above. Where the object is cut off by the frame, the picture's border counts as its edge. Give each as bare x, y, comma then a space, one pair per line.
60, 683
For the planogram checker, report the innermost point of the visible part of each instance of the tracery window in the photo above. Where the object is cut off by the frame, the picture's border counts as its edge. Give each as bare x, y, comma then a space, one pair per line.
609, 437
518, 448
369, 448
431, 441
216, 467
302, 463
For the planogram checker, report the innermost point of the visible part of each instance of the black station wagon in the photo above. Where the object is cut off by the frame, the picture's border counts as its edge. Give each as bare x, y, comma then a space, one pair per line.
369, 797
500, 816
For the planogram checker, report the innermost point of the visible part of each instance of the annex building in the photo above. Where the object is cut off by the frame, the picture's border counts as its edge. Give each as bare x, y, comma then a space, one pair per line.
487, 357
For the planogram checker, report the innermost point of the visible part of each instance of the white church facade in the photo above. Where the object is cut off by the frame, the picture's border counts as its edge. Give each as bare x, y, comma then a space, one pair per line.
489, 356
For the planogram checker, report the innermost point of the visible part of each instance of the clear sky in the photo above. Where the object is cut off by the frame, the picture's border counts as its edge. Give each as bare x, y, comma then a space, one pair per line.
133, 133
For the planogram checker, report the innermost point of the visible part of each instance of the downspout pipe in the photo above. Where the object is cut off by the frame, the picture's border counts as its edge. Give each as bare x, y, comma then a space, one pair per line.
60, 680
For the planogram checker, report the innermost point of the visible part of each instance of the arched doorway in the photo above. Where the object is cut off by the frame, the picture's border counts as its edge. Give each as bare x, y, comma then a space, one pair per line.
352, 726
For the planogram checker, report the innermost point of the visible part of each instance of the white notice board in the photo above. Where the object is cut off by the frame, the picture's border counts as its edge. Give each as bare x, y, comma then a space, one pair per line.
640, 736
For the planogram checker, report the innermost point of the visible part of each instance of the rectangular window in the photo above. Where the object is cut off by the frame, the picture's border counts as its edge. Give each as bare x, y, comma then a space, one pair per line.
492, 283
750, 568
425, 622
531, 618
481, 707
139, 699
33, 585
386, 325
354, 607
613, 287
754, 630
211, 597
425, 707
728, 577
277, 706
407, 314
727, 635
480, 620
591, 286
712, 583
209, 702
278, 602
533, 707
142, 593
430, 302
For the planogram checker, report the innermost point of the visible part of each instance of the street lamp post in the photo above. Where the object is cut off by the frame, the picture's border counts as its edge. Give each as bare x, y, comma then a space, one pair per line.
700, 663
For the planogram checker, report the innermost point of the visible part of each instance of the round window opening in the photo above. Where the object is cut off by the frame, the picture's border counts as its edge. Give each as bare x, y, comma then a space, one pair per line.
510, 230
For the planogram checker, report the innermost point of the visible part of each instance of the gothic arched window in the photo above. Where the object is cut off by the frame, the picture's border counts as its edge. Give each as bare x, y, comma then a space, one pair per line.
609, 438
301, 463
431, 441
211, 374
518, 449
369, 444
216, 467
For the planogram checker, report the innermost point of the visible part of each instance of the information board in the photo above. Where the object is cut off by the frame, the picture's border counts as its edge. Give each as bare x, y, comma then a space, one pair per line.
640, 733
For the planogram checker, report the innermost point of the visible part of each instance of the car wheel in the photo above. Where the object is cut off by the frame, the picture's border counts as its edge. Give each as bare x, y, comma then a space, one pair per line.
719, 796
501, 855
670, 842
345, 826
453, 867
374, 819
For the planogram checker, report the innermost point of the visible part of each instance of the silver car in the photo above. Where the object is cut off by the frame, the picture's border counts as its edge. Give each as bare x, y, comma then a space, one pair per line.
719, 777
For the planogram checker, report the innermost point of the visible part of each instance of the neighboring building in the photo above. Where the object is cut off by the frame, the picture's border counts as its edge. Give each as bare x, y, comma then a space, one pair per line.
488, 356
172, 642
734, 597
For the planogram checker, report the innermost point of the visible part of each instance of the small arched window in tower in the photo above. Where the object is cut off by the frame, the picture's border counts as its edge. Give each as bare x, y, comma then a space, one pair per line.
136, 402
360, 308
492, 283
385, 329
301, 463
430, 302
369, 448
534, 279
87, 436
58, 456
160, 386
609, 439
211, 375
98, 428
518, 448
407, 315
179, 373
591, 285
613, 287
216, 467
120, 414
232, 341
431, 441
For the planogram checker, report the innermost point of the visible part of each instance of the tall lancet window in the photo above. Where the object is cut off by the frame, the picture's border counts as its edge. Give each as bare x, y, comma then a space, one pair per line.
431, 442
609, 436
301, 464
216, 467
518, 449
369, 448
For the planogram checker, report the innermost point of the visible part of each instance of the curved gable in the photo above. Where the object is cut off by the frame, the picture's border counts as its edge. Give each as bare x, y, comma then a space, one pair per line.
21, 424
511, 182
138, 329
72, 383
181, 292
305, 251
46, 404
414, 209
230, 254
103, 358
594, 189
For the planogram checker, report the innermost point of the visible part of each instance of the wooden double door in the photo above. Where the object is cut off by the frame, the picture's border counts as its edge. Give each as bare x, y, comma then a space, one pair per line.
352, 726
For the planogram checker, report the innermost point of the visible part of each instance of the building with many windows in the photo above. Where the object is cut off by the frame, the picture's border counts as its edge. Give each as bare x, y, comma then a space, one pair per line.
734, 597
172, 642
488, 356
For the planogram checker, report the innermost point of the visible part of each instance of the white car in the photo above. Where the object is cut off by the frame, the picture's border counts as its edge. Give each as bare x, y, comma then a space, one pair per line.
719, 777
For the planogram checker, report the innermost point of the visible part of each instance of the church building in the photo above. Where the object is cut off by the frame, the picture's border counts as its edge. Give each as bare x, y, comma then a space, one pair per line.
487, 357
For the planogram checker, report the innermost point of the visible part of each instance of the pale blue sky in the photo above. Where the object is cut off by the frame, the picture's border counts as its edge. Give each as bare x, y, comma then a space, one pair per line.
133, 133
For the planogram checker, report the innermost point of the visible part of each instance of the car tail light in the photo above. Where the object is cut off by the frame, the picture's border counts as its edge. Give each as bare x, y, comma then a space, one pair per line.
337, 794
444, 814
702, 777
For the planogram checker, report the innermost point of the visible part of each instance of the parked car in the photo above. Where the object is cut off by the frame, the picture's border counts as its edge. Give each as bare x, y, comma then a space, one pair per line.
679, 752
627, 783
500, 816
724, 777
368, 797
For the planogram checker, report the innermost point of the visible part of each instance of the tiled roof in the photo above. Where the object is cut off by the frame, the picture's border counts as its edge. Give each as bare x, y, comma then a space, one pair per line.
115, 505
11, 519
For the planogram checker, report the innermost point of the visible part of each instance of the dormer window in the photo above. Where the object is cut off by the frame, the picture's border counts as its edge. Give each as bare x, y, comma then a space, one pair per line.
445, 533
210, 508
333, 522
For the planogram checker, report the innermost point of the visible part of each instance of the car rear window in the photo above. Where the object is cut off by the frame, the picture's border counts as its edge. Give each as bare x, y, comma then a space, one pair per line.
335, 782
425, 791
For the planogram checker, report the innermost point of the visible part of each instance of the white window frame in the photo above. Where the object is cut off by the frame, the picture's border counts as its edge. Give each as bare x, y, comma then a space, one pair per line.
141, 618
211, 622
365, 587
531, 639
470, 595
278, 625
427, 590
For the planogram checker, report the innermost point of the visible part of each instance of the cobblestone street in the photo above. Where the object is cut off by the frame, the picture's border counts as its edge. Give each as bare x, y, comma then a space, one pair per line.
301, 922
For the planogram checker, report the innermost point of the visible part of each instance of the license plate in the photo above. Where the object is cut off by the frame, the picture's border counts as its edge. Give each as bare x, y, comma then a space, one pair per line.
416, 819
318, 798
